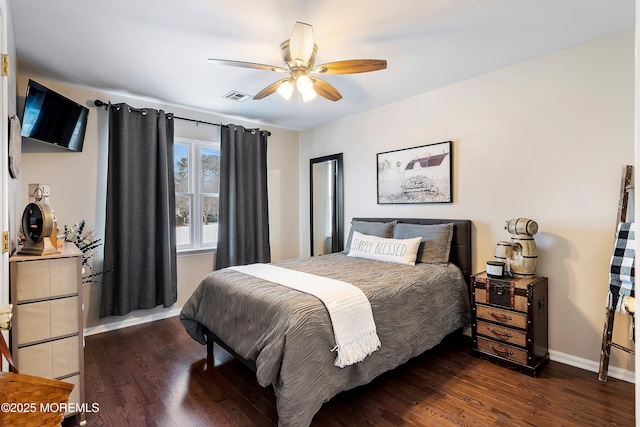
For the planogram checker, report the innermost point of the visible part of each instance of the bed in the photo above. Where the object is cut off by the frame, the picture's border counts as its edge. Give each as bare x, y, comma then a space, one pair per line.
286, 336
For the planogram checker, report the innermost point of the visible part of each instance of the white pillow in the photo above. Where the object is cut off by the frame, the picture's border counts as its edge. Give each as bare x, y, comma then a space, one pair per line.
401, 251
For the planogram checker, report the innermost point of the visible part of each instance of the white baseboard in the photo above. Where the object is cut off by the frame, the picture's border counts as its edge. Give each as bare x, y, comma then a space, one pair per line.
131, 322
591, 366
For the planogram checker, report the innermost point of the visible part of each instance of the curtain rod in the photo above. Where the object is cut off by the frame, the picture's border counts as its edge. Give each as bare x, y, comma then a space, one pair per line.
99, 103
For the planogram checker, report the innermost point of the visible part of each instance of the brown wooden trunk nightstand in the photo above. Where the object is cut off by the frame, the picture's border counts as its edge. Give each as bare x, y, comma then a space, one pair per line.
510, 321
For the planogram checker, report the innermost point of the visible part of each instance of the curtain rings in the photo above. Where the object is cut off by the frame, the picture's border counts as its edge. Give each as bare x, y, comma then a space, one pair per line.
142, 111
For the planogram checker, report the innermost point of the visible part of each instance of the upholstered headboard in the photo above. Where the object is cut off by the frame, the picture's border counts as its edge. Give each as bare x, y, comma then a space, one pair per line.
460, 243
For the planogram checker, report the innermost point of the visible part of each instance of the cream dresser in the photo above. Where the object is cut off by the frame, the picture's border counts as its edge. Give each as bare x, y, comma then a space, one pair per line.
47, 334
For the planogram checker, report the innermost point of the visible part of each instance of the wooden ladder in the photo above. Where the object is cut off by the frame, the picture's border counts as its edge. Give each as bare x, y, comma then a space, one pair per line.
607, 332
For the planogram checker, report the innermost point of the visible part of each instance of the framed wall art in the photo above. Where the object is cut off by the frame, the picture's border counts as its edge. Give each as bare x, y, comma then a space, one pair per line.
416, 175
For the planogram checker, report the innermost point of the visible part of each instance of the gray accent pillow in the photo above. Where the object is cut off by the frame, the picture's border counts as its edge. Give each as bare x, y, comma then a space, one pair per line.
380, 229
436, 240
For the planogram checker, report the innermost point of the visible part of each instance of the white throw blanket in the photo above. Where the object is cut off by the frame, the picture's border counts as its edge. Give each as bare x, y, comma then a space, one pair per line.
349, 309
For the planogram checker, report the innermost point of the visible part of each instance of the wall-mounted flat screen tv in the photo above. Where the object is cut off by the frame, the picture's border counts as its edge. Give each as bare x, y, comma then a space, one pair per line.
52, 118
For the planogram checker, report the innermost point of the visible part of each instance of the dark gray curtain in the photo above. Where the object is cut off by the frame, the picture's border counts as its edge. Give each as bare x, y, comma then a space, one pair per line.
139, 243
243, 225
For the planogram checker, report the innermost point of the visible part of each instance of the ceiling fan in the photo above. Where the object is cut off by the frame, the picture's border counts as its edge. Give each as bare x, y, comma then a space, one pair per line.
298, 61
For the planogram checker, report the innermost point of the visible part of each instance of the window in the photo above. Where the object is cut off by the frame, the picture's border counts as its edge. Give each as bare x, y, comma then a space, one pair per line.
197, 178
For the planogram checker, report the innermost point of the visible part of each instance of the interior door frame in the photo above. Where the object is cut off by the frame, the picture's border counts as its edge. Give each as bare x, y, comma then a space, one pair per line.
4, 166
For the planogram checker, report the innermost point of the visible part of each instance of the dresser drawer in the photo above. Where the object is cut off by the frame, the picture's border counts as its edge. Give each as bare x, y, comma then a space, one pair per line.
53, 359
502, 333
64, 275
518, 302
505, 317
505, 351
74, 397
46, 278
47, 319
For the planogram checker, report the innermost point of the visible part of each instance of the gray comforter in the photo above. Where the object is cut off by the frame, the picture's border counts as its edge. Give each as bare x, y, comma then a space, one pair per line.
288, 333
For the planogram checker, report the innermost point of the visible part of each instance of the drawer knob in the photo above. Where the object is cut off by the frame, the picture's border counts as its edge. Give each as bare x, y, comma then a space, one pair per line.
500, 334
498, 316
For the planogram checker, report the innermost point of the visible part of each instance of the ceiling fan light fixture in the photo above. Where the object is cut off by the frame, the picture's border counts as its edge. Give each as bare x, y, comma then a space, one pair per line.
304, 84
298, 55
301, 44
286, 90
305, 87
309, 95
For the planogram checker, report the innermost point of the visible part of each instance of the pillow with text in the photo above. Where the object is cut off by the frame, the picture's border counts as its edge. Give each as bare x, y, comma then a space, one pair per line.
401, 251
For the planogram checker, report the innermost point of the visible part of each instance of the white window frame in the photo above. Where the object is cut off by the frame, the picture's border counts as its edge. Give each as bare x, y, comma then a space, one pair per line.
195, 194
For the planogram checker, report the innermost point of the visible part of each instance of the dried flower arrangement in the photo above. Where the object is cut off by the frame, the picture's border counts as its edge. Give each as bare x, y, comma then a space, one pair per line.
84, 238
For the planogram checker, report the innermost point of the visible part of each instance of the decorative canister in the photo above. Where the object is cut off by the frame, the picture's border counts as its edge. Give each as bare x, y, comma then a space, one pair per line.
522, 226
495, 269
519, 255
504, 249
525, 256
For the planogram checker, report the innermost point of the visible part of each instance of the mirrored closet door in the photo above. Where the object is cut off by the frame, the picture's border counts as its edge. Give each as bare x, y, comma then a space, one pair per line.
326, 195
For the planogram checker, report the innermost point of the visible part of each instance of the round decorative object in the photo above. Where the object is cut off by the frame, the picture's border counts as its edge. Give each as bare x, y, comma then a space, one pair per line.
495, 269
37, 226
37, 222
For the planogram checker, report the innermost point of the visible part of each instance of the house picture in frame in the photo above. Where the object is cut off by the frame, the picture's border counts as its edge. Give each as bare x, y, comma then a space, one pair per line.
416, 175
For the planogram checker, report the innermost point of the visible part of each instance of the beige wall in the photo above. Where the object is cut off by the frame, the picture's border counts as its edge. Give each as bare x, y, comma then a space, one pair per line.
545, 139
78, 186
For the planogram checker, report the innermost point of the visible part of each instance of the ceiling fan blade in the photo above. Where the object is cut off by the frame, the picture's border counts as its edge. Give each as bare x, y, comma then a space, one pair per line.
269, 89
351, 66
301, 42
325, 90
242, 64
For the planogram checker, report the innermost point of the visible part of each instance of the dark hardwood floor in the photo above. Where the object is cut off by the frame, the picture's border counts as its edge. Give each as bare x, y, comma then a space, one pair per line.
156, 375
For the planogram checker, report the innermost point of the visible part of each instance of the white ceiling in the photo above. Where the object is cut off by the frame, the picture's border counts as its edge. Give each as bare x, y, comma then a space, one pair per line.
158, 49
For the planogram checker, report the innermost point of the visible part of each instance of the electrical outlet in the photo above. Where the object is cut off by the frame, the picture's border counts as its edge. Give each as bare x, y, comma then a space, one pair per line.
39, 193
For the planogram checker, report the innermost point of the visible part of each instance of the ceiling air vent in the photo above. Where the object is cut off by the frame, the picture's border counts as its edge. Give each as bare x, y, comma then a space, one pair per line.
234, 95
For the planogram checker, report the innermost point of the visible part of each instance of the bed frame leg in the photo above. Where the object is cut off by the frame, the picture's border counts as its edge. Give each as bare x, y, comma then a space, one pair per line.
209, 349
